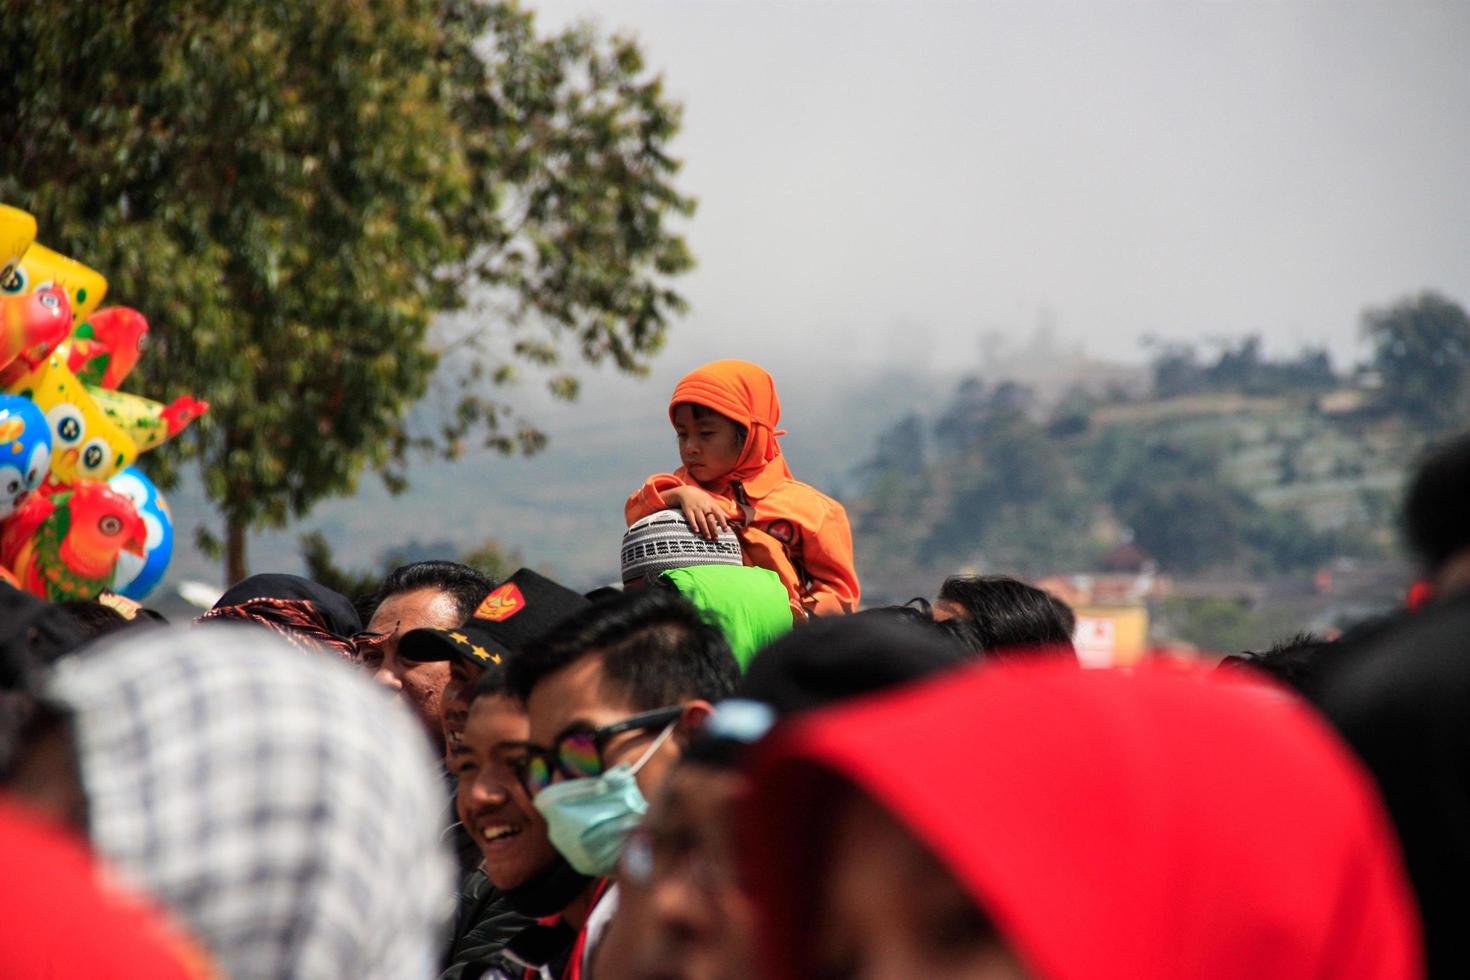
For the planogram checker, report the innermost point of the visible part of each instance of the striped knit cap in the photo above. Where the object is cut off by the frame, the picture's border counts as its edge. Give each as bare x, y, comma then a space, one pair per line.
664, 540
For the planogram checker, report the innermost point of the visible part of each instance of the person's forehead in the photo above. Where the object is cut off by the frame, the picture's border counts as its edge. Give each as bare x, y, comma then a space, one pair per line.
949, 609
418, 608
575, 694
493, 720
698, 795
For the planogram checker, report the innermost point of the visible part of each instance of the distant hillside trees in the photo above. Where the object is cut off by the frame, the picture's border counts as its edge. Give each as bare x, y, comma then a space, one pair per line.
1239, 366
1421, 352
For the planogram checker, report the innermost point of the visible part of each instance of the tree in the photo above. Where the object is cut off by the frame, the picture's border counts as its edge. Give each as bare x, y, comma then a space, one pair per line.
1421, 351
492, 559
293, 191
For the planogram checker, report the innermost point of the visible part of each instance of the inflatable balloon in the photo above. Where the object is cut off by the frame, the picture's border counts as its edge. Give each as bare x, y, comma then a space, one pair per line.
137, 576
147, 422
17, 231
85, 443
40, 267
65, 546
25, 452
106, 346
31, 327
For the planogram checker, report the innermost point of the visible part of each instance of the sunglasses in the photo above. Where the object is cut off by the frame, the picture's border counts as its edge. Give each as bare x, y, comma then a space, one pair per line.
577, 754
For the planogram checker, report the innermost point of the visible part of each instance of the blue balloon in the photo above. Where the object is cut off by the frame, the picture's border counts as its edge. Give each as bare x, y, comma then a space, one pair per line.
136, 577
25, 451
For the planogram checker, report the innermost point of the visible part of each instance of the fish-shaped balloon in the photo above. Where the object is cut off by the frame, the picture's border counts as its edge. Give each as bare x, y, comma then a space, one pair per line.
85, 443
40, 267
31, 327
147, 422
17, 231
66, 545
25, 452
106, 346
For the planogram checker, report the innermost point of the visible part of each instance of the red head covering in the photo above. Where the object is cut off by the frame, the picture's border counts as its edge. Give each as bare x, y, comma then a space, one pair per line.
1165, 824
744, 392
62, 916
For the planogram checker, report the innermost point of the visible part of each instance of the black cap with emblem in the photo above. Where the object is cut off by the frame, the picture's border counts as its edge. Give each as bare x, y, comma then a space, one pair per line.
515, 612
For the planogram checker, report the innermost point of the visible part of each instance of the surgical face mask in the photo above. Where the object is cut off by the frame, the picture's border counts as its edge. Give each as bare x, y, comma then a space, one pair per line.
589, 820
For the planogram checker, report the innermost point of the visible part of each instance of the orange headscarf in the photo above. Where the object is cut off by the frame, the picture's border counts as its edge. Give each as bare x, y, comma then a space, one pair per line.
745, 393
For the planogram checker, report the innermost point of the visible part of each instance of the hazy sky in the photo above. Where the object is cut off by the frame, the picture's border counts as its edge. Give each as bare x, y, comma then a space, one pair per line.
891, 179
886, 182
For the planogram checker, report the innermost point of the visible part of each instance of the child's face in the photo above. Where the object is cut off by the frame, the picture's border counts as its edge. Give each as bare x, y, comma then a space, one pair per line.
709, 447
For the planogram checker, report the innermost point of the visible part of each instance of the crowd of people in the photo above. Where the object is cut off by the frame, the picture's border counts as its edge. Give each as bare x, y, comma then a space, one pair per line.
727, 768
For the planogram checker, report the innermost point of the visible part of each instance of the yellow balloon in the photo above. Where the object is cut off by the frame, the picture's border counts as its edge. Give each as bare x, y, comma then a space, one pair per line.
40, 266
17, 231
85, 443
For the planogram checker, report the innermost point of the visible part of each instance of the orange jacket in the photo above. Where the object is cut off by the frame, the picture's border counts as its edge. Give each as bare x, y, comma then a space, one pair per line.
785, 525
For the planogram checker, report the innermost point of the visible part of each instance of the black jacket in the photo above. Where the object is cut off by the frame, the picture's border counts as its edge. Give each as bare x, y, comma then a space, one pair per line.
483, 923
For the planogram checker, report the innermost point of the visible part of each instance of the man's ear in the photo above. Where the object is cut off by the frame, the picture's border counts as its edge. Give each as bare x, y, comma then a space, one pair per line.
692, 721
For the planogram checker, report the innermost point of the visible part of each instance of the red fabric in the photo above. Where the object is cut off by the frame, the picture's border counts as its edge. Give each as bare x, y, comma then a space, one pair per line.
1171, 823
579, 947
60, 916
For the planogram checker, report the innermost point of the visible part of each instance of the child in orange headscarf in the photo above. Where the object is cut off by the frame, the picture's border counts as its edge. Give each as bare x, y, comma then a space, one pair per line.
734, 475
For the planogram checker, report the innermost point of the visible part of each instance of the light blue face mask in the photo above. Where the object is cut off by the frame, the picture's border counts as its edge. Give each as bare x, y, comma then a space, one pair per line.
589, 819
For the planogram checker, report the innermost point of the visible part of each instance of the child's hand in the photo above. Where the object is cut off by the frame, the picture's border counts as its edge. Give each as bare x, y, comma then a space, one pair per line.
705, 514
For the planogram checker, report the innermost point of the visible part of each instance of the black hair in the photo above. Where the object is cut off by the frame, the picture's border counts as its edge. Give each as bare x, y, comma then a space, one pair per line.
1293, 662
919, 612
1005, 613
656, 647
1436, 518
93, 618
461, 582
704, 411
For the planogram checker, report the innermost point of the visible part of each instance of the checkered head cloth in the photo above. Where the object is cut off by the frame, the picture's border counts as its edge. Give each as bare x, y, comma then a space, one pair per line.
282, 806
664, 540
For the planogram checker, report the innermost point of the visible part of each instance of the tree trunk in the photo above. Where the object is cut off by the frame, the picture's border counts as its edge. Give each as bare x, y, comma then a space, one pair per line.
235, 568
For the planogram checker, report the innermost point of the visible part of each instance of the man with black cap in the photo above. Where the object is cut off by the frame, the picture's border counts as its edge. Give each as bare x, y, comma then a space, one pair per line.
515, 612
512, 615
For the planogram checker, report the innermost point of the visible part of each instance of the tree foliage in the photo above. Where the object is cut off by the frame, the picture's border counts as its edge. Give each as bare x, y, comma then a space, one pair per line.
291, 191
1421, 351
1240, 366
490, 558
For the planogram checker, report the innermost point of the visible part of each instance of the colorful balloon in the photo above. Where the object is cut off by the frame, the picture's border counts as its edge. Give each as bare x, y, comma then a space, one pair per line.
25, 452
17, 231
40, 267
85, 443
136, 576
66, 545
147, 422
31, 327
106, 346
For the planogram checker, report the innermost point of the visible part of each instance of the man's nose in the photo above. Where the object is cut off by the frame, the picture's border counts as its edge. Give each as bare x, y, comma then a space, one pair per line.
488, 792
388, 678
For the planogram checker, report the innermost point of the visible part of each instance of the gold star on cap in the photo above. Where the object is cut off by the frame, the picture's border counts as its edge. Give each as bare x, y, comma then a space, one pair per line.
459, 638
481, 652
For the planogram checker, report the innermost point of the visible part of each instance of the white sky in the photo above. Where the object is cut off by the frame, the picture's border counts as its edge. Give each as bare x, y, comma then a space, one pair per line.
892, 179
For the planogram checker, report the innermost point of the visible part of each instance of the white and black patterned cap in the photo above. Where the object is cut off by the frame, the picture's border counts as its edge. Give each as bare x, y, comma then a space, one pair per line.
664, 540
282, 805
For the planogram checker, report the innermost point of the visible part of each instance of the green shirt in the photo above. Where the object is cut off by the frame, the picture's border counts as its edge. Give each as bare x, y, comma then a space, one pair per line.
750, 605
